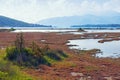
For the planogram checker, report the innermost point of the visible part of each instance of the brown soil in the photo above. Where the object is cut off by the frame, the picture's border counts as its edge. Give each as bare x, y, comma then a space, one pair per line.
76, 66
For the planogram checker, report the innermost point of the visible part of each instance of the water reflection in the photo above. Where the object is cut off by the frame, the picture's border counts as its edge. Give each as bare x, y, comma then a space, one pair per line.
109, 49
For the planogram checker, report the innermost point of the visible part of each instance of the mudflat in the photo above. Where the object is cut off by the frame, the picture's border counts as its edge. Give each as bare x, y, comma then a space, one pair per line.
79, 65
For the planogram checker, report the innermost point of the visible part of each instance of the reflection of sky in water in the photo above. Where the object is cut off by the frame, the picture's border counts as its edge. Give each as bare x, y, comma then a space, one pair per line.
109, 49
42, 30
73, 31
94, 31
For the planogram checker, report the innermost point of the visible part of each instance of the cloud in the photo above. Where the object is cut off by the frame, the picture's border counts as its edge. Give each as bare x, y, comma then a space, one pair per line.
35, 10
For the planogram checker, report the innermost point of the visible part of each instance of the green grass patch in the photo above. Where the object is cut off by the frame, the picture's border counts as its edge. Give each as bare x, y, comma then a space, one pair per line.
8, 71
53, 56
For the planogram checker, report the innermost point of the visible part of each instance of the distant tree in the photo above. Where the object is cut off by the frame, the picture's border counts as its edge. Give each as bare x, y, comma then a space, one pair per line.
20, 46
12, 29
19, 43
80, 30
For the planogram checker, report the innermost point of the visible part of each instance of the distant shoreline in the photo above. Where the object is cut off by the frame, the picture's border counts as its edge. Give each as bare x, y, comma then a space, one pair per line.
72, 28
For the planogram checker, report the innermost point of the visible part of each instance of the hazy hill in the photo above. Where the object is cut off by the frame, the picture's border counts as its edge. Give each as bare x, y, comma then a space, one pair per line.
5, 21
68, 21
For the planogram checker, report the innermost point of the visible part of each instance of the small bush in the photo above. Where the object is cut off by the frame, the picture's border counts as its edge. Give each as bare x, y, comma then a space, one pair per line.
29, 58
11, 53
53, 55
7, 71
61, 53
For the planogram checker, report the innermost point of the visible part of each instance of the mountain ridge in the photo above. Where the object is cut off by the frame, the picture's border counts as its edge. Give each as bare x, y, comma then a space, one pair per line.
10, 22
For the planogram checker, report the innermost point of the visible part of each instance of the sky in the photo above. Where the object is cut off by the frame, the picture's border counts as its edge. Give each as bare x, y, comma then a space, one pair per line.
35, 10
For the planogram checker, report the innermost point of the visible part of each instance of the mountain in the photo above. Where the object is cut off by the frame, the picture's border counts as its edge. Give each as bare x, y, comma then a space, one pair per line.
9, 22
67, 21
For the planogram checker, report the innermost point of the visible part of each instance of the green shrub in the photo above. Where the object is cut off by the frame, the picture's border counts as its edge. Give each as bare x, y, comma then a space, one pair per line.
61, 53
32, 56
56, 54
11, 53
33, 59
53, 55
3, 75
29, 58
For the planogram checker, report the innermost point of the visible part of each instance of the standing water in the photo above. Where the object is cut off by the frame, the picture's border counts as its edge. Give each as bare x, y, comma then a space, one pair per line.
109, 49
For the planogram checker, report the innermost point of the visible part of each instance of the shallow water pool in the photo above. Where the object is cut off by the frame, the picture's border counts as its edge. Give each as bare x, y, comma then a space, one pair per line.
109, 49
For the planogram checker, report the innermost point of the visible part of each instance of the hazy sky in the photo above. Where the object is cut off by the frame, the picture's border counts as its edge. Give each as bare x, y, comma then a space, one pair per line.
35, 10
